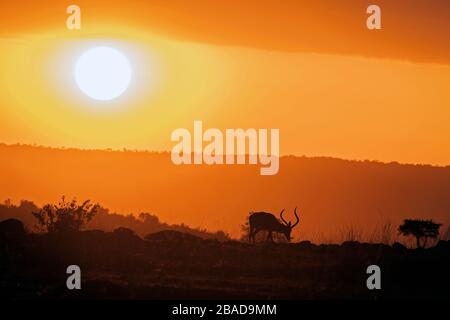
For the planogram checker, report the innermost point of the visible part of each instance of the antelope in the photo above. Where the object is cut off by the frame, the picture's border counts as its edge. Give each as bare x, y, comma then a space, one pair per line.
266, 221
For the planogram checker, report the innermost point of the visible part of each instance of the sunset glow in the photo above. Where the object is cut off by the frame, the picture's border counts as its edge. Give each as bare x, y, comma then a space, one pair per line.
329, 85
249, 153
174, 82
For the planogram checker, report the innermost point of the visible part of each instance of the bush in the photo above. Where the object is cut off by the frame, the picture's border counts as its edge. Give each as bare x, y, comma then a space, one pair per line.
65, 216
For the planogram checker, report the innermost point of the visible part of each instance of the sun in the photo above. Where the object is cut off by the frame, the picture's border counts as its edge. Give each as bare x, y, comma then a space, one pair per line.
103, 73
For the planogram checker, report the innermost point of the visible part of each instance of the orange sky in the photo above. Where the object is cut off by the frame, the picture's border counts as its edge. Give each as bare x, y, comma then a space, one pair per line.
311, 69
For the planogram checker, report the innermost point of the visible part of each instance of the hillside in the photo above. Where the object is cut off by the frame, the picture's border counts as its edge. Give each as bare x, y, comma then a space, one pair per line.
331, 193
174, 265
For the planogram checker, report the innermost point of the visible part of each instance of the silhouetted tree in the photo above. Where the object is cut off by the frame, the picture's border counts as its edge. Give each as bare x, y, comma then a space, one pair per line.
143, 224
420, 229
66, 216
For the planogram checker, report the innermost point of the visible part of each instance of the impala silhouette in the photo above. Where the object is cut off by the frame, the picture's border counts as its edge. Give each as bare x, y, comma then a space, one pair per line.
259, 221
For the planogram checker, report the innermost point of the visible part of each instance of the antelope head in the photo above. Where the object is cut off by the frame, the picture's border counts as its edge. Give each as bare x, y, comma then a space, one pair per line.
288, 226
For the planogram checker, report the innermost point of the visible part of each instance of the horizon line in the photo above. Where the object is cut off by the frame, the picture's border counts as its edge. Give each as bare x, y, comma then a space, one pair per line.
164, 152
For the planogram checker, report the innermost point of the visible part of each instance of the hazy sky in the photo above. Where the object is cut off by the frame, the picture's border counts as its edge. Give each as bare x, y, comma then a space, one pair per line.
310, 68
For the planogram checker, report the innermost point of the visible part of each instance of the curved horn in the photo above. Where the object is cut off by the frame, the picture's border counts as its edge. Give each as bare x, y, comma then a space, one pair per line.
281, 216
296, 216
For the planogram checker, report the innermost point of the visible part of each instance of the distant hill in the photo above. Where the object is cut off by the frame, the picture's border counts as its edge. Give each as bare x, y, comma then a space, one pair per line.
332, 194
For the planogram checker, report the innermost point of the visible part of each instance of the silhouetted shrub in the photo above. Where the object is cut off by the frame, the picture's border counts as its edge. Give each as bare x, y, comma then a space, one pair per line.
65, 216
420, 229
305, 245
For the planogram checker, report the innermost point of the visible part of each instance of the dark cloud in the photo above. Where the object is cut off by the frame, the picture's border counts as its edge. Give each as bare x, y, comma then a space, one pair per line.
415, 30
